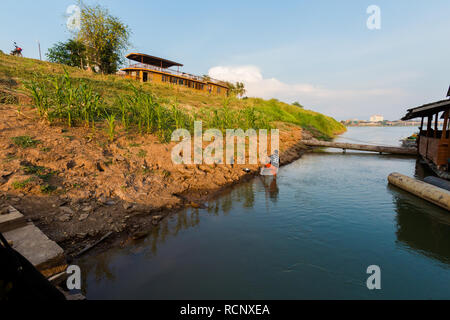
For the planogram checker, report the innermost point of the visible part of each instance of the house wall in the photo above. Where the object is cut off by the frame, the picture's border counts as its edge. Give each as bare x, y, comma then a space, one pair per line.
158, 77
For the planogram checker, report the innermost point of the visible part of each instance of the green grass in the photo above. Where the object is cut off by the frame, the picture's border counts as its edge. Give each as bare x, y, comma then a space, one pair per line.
142, 154
75, 97
47, 189
25, 141
22, 184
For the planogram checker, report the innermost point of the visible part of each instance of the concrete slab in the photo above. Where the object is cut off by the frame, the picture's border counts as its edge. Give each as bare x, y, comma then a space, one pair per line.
12, 220
34, 245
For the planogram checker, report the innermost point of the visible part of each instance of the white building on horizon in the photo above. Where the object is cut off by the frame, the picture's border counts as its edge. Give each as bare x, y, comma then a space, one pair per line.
376, 118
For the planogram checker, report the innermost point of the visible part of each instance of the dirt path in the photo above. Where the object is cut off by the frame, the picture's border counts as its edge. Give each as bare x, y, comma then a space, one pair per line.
77, 186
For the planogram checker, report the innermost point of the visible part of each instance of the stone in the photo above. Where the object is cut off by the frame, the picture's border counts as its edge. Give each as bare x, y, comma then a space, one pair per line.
83, 217
64, 218
36, 247
66, 210
139, 235
81, 235
13, 219
127, 206
87, 209
110, 203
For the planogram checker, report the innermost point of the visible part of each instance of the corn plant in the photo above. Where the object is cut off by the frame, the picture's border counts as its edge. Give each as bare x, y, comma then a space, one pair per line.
111, 122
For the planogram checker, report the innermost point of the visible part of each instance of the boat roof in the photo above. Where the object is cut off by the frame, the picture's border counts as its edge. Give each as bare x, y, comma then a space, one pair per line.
427, 109
151, 60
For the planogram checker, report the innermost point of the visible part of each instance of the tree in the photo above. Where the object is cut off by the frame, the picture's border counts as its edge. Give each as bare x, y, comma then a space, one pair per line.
104, 36
71, 53
237, 89
240, 89
297, 104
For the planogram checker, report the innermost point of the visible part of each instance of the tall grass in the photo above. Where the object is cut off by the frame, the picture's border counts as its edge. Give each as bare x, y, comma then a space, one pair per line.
77, 102
62, 98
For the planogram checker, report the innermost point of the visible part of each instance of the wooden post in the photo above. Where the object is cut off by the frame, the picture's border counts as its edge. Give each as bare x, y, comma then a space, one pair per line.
436, 124
444, 129
430, 118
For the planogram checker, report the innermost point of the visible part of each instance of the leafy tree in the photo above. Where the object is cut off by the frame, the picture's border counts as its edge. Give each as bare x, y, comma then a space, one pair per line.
297, 104
104, 36
71, 53
240, 89
237, 89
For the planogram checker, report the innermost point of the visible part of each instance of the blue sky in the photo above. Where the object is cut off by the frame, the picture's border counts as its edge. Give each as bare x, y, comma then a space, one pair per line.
319, 53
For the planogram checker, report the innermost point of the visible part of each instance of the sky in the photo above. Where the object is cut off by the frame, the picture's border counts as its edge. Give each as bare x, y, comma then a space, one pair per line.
319, 53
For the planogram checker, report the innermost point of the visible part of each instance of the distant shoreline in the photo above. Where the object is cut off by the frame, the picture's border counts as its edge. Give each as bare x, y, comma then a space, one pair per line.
382, 125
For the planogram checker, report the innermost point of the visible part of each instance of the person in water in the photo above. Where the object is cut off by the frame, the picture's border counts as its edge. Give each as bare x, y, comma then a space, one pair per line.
274, 163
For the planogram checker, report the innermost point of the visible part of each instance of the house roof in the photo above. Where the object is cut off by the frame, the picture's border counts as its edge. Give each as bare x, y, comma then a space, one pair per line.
151, 60
427, 109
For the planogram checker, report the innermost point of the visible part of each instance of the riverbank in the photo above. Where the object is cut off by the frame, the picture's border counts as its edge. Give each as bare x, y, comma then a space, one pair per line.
77, 187
84, 154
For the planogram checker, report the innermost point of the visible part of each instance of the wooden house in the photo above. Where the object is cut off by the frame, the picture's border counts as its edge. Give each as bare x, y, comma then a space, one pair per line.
146, 68
434, 142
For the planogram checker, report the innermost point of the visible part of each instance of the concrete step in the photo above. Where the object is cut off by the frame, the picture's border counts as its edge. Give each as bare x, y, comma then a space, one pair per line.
35, 246
12, 220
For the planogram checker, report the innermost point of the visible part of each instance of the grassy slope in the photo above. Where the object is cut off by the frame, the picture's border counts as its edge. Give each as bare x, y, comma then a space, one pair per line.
110, 86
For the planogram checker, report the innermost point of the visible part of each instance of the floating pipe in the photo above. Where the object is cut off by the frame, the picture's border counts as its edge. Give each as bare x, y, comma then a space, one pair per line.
436, 195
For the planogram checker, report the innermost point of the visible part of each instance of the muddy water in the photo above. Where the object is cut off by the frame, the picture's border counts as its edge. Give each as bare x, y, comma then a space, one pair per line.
310, 234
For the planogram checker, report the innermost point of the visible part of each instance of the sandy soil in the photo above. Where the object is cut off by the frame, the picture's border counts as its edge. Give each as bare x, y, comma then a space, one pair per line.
77, 186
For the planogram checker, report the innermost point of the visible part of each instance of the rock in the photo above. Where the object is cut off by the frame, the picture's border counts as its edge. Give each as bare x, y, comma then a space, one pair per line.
83, 217
70, 165
119, 158
110, 203
66, 210
15, 199
81, 235
139, 235
64, 218
156, 220
127, 206
87, 209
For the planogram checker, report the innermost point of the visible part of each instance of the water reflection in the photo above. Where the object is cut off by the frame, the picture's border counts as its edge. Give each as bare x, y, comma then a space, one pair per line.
422, 226
271, 187
101, 266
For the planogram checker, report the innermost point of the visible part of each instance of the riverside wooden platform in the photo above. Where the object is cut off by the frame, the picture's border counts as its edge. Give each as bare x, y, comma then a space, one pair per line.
361, 147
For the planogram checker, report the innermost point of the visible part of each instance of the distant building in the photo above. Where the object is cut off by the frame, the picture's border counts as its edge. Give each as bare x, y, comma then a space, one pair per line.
376, 118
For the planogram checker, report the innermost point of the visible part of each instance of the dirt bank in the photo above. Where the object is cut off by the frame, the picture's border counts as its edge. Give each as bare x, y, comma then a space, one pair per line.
77, 186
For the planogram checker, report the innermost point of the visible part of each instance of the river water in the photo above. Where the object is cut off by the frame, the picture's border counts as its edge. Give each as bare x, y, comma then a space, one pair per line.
311, 234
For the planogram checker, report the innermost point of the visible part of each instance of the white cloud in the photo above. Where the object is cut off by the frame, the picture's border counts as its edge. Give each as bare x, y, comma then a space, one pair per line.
340, 103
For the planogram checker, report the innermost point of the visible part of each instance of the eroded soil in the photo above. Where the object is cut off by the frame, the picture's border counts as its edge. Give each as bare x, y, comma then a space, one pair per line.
77, 186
